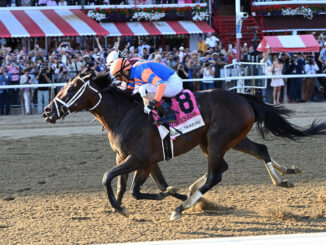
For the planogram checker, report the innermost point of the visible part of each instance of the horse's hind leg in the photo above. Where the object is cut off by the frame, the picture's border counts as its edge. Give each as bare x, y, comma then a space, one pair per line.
284, 170
216, 166
260, 151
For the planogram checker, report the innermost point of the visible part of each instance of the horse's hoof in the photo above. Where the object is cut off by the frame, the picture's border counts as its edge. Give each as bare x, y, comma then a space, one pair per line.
285, 184
171, 190
175, 216
295, 170
124, 212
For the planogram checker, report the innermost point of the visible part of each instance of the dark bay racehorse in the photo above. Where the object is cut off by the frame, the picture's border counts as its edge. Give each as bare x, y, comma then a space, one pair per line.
228, 118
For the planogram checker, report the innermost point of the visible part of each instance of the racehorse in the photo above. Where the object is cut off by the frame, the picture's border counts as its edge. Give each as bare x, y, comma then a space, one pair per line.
228, 118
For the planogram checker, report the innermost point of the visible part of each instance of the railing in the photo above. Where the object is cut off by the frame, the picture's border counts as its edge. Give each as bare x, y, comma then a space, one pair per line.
293, 2
227, 79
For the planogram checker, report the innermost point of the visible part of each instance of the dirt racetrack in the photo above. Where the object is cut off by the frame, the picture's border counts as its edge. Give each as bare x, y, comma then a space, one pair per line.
51, 192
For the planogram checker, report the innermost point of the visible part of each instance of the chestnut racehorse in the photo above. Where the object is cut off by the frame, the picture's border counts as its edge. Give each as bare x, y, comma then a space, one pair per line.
228, 118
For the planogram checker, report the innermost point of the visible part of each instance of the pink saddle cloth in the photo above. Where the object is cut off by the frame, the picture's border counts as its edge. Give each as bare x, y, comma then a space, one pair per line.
188, 116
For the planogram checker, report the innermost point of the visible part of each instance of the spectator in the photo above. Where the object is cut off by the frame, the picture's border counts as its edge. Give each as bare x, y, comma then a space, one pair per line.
322, 56
266, 71
26, 93
208, 72
211, 41
158, 58
295, 83
26, 3
75, 66
194, 66
277, 83
145, 53
5, 94
43, 93
182, 69
170, 61
181, 54
42, 2
51, 3
220, 62
206, 57
62, 3
13, 69
310, 68
201, 45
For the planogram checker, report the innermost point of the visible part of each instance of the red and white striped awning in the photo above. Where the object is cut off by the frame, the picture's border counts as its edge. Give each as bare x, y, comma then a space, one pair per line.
48, 22
290, 43
156, 28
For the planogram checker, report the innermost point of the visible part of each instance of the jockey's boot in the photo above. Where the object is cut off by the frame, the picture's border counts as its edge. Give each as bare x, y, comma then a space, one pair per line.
166, 113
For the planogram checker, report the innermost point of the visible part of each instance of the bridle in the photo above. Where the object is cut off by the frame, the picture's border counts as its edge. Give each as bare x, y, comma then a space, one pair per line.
65, 105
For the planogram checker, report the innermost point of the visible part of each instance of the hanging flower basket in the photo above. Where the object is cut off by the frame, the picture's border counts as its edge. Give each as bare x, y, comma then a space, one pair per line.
197, 13
307, 11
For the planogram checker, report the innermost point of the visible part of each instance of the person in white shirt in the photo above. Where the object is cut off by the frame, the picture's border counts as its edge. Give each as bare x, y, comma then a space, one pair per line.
266, 93
208, 72
310, 68
142, 45
26, 92
211, 41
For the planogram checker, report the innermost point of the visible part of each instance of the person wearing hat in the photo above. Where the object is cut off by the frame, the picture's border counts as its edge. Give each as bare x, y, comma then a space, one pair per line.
75, 66
26, 93
152, 81
181, 54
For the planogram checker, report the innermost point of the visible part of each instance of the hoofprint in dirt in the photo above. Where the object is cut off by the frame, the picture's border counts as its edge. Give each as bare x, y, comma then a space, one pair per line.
51, 192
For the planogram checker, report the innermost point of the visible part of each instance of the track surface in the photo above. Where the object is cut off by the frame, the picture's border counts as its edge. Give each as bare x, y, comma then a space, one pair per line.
51, 193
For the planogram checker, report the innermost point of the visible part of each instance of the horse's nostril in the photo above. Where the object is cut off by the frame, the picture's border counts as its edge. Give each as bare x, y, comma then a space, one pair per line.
44, 115
47, 109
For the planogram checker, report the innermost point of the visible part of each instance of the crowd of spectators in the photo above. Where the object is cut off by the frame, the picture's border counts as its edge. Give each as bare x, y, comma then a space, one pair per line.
62, 62
17, 3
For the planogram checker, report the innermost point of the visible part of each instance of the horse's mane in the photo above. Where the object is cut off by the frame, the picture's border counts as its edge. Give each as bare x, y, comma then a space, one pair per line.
104, 82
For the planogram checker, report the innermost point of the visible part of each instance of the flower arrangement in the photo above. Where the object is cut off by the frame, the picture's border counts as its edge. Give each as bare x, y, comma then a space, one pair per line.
148, 16
197, 13
307, 11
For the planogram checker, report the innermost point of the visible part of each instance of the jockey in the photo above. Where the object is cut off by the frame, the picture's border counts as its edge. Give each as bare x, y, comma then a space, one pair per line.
152, 80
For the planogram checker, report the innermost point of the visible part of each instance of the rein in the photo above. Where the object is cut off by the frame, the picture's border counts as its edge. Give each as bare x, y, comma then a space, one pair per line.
78, 94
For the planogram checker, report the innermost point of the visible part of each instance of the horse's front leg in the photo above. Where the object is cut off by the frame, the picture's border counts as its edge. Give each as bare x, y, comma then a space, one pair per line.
158, 178
128, 165
121, 182
141, 176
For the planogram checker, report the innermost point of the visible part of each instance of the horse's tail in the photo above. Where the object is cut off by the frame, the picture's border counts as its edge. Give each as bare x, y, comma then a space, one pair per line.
271, 120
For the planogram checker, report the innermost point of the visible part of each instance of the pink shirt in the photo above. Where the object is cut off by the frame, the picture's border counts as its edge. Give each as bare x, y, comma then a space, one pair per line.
14, 73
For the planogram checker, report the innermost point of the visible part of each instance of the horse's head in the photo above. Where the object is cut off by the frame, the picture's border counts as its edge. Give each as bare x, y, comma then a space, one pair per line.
78, 94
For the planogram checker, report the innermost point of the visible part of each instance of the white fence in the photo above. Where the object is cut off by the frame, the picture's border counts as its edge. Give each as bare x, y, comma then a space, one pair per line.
53, 85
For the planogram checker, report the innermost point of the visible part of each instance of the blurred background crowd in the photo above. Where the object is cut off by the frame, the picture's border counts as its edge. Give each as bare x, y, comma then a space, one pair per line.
17, 3
65, 60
